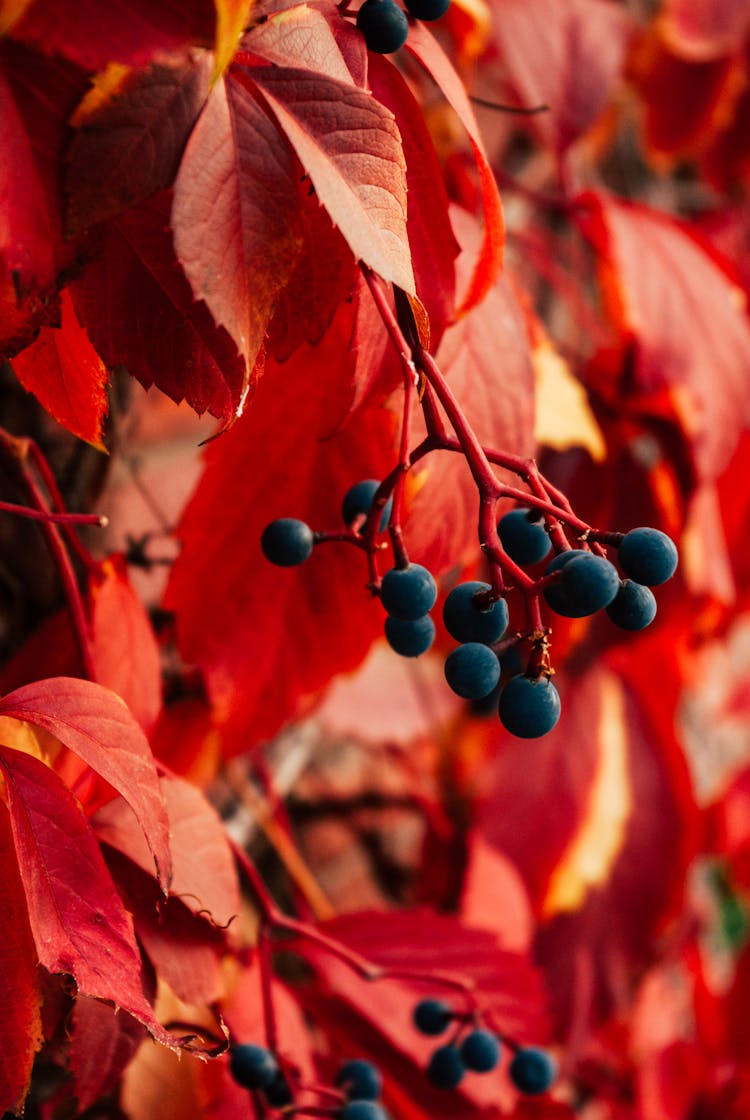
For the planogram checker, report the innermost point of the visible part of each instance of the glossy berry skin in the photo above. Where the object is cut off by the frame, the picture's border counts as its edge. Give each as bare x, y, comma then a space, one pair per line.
360, 1080
278, 1094
633, 607
529, 708
472, 670
555, 594
409, 592
648, 556
480, 1051
532, 1070
383, 24
427, 10
526, 541
410, 637
252, 1067
358, 501
432, 1016
466, 621
589, 583
287, 542
445, 1069
362, 1110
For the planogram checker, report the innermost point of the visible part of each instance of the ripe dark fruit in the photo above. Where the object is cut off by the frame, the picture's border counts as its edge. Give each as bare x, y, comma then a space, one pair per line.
590, 583
362, 1110
648, 556
408, 592
529, 708
532, 1071
432, 1016
468, 618
360, 1080
383, 24
445, 1069
555, 594
410, 637
287, 542
278, 1093
358, 502
472, 670
633, 607
480, 1051
427, 10
523, 536
253, 1067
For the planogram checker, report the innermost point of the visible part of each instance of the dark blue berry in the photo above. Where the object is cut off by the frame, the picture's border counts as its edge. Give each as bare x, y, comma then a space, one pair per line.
408, 592
523, 536
360, 1080
532, 1070
358, 502
383, 24
648, 556
468, 617
287, 542
252, 1067
633, 607
472, 670
432, 1016
445, 1069
480, 1051
427, 10
278, 1093
410, 637
590, 583
362, 1110
529, 708
555, 594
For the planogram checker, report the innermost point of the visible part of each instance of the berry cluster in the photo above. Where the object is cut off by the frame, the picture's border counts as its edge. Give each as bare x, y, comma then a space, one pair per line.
531, 1070
576, 583
385, 25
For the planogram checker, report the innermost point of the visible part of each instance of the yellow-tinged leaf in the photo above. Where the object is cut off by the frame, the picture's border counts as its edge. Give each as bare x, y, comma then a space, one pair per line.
592, 851
104, 86
21, 736
563, 416
232, 17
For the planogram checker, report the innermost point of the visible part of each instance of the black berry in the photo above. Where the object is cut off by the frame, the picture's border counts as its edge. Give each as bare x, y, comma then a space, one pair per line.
480, 1051
252, 1067
472, 670
383, 24
529, 708
362, 1110
648, 556
523, 536
555, 594
410, 637
409, 592
590, 583
427, 10
432, 1016
633, 607
445, 1069
532, 1071
278, 1093
360, 1080
468, 617
287, 542
358, 502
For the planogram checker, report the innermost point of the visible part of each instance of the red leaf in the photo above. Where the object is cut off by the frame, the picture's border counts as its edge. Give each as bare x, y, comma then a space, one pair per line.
703, 29
679, 310
433, 245
566, 56
79, 924
95, 724
204, 877
20, 1026
300, 37
350, 147
236, 229
124, 649
490, 257
102, 1044
486, 358
129, 31
235, 612
129, 139
139, 310
66, 375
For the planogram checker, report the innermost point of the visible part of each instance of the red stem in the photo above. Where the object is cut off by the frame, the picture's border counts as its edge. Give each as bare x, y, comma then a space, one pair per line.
55, 518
